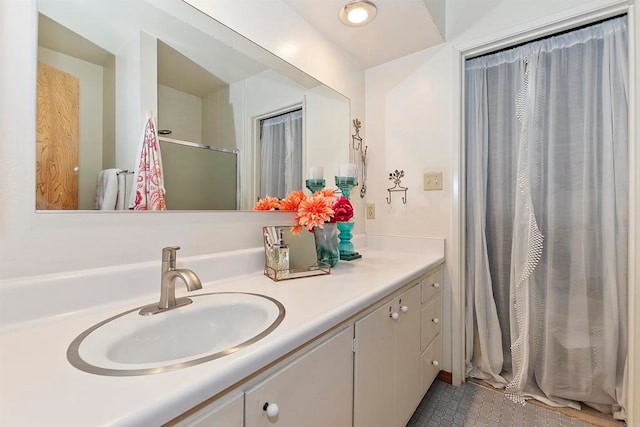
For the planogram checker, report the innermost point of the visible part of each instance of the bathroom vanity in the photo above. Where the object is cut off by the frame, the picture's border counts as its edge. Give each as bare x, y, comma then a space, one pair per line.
378, 364
359, 347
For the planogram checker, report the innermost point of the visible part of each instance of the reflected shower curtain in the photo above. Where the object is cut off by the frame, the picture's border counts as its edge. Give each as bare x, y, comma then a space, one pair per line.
546, 218
281, 154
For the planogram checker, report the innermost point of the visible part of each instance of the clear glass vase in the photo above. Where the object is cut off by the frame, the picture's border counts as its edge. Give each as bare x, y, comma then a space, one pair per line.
327, 244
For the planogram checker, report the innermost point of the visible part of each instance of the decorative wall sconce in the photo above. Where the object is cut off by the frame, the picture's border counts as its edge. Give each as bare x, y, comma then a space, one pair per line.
396, 176
358, 146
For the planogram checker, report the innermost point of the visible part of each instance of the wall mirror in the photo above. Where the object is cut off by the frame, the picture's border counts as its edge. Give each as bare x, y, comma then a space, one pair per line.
105, 66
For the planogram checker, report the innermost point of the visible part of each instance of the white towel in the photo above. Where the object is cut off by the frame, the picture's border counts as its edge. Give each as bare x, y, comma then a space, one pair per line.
110, 190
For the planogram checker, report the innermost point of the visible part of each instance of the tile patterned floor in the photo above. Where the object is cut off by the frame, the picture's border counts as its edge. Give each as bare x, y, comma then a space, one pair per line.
473, 405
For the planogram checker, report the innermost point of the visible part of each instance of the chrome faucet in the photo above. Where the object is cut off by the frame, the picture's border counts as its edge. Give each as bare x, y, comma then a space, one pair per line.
170, 273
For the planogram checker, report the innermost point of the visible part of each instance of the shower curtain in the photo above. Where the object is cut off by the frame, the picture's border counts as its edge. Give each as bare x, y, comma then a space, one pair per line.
281, 154
546, 218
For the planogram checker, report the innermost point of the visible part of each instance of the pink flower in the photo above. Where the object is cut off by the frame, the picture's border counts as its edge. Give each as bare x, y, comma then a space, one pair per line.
343, 210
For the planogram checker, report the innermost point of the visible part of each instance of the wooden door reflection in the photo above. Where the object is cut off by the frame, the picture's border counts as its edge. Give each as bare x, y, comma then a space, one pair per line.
57, 139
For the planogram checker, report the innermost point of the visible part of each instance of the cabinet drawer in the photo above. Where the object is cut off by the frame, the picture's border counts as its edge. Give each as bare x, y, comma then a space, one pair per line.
432, 284
430, 321
430, 363
315, 391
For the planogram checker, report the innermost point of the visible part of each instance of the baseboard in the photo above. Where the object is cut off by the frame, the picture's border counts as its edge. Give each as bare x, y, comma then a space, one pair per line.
445, 376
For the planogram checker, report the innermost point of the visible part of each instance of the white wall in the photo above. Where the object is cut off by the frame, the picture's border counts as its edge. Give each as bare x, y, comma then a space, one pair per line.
109, 114
90, 127
411, 121
328, 130
32, 244
181, 113
221, 121
136, 93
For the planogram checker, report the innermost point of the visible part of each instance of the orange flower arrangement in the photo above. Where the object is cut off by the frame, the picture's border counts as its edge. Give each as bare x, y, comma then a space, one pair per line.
292, 201
311, 211
267, 204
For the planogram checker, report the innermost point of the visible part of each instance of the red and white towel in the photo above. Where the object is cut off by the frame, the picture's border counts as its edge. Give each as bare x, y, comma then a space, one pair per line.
149, 185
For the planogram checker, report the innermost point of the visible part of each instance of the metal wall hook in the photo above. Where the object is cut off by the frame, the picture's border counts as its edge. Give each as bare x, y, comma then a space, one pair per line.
356, 139
396, 176
358, 146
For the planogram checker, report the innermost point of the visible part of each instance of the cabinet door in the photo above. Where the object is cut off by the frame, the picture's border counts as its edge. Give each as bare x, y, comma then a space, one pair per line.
224, 412
374, 369
313, 391
407, 357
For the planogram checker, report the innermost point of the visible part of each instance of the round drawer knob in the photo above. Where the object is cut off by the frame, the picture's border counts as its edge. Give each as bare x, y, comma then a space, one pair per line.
435, 363
435, 320
404, 309
436, 285
394, 316
272, 409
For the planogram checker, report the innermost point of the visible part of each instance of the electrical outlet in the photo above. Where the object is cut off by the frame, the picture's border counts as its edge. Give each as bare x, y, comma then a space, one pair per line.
371, 211
432, 181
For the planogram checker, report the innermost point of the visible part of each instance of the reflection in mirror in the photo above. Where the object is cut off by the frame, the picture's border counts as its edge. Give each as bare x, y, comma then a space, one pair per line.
104, 65
281, 154
290, 256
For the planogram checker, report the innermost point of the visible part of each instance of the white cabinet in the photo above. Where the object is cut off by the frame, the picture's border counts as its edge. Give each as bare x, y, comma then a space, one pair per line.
226, 412
430, 364
387, 362
398, 353
374, 376
313, 391
430, 329
407, 350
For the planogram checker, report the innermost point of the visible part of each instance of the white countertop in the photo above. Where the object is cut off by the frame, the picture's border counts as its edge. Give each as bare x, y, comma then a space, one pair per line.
38, 386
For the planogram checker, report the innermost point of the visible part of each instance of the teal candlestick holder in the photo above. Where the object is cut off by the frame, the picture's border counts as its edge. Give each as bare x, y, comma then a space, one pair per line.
346, 248
315, 184
347, 251
346, 184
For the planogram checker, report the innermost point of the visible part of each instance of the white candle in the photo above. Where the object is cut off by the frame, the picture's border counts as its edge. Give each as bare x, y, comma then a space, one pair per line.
347, 169
316, 172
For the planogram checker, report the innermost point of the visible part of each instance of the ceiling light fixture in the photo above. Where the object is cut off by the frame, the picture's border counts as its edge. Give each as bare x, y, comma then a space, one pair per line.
358, 13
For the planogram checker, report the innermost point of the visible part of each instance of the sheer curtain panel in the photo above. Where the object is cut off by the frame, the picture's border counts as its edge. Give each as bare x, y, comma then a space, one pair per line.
281, 154
547, 206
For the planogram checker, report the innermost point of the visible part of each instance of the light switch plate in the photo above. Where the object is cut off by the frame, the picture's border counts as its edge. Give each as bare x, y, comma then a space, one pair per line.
432, 181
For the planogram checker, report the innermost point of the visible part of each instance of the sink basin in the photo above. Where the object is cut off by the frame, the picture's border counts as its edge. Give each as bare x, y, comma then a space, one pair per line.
215, 325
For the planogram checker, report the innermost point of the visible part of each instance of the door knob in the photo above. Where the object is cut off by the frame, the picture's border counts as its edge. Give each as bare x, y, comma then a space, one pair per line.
404, 309
394, 315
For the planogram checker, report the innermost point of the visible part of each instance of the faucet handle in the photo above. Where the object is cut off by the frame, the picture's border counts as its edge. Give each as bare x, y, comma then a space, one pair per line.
169, 254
